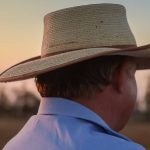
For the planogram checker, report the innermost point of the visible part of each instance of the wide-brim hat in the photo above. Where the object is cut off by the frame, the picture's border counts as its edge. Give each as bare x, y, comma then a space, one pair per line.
80, 33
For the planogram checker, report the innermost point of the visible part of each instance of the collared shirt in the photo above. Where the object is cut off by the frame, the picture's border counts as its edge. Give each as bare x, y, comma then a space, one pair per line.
62, 124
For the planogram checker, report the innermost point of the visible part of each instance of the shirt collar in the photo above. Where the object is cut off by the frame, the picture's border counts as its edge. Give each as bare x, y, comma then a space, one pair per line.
62, 106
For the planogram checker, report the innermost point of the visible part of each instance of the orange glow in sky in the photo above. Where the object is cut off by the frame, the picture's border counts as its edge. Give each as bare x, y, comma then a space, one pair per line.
21, 27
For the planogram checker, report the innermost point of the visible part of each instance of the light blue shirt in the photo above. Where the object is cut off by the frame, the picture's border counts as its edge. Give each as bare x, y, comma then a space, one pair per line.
62, 124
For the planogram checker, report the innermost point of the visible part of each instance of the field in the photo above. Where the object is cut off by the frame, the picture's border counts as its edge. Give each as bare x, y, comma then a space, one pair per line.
139, 132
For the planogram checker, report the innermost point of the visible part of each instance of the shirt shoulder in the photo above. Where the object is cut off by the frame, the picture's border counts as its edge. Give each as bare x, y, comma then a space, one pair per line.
66, 133
94, 137
109, 142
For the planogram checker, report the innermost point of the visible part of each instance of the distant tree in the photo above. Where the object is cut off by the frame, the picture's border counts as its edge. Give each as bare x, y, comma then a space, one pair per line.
26, 102
5, 108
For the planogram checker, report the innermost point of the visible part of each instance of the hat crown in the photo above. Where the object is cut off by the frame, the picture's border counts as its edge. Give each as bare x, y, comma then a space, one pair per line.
96, 25
78, 34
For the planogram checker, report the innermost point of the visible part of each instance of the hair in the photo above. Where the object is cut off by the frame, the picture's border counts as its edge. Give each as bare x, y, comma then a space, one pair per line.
80, 80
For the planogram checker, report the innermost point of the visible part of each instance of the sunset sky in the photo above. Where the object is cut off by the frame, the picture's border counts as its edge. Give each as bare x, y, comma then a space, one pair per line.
21, 26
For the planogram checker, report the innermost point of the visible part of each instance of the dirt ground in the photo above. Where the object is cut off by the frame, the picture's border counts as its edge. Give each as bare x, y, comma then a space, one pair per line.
139, 132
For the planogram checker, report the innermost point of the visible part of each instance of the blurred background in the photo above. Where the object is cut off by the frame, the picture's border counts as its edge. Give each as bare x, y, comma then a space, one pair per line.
21, 29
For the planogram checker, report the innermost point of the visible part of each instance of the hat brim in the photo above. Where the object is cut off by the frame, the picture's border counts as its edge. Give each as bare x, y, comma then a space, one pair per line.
37, 65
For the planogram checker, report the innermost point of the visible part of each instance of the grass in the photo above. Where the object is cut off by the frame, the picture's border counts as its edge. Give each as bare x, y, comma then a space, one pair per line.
8, 128
139, 132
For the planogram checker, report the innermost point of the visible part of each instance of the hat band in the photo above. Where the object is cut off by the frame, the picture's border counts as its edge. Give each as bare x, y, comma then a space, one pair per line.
60, 52
65, 51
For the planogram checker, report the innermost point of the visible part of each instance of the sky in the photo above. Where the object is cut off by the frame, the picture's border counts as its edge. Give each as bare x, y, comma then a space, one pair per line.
21, 27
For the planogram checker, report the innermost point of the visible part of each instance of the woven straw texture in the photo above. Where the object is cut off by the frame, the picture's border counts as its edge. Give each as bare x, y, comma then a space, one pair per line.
76, 34
85, 27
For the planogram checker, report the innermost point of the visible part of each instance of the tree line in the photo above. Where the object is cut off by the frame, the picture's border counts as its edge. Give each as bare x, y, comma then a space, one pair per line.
26, 103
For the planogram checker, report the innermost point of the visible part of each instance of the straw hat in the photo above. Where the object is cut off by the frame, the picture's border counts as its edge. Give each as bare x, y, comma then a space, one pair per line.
79, 33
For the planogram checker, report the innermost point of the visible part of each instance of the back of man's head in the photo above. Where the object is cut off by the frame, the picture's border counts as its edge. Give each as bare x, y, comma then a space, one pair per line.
79, 80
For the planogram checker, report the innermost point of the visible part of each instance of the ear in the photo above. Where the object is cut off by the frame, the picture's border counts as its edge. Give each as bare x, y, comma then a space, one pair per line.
121, 76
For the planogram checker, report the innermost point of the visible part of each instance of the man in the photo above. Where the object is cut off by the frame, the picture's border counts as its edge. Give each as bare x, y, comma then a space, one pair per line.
86, 77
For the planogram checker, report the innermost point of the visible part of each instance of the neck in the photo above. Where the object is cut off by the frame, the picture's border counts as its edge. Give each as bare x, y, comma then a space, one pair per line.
104, 105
